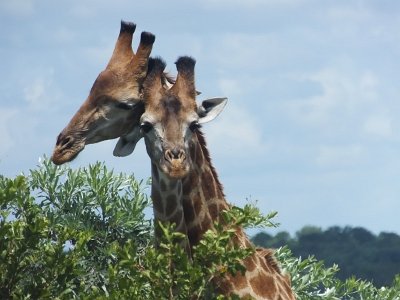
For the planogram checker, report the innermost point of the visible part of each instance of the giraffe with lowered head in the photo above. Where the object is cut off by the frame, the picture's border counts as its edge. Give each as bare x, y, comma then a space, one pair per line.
185, 186
113, 107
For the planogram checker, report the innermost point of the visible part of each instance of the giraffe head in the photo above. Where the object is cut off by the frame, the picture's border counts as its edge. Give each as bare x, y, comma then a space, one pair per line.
113, 107
172, 116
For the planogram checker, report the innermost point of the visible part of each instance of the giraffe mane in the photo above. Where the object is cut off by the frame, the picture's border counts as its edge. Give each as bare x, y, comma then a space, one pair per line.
206, 153
268, 256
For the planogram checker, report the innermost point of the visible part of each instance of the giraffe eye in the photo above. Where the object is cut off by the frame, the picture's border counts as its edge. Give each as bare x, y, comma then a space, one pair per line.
194, 126
146, 127
125, 105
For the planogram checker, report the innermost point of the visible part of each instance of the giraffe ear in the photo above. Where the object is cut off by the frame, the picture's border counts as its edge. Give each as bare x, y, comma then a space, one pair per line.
126, 144
211, 108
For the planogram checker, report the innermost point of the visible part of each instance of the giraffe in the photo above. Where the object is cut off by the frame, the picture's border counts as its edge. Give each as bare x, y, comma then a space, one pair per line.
185, 186
188, 194
113, 107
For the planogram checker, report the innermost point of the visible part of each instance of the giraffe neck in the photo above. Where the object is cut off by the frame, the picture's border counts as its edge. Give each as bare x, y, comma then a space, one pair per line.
203, 197
194, 203
166, 194
203, 200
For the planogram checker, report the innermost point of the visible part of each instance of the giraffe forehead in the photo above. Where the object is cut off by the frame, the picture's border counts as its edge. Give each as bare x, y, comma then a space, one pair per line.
171, 108
172, 104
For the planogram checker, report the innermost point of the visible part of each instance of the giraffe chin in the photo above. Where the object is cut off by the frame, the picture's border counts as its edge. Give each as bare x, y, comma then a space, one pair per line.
59, 158
175, 170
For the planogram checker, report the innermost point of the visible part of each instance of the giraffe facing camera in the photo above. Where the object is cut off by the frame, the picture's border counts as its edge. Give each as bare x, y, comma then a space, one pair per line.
185, 186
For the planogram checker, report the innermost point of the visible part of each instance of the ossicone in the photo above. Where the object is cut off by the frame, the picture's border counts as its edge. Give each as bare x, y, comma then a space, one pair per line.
127, 27
185, 64
147, 38
156, 65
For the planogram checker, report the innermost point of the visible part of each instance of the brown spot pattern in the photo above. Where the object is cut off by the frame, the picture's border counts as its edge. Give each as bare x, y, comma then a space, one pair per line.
171, 205
263, 286
197, 203
177, 218
213, 210
239, 281
250, 263
208, 185
190, 183
188, 209
206, 223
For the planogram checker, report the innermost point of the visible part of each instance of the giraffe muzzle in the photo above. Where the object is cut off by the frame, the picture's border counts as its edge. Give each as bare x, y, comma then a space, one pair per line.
175, 163
175, 154
66, 149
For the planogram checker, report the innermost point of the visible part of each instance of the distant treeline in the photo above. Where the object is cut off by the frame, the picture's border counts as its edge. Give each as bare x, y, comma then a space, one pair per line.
357, 251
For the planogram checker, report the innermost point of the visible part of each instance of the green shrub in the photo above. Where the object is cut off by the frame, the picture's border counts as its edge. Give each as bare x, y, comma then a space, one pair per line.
82, 234
59, 228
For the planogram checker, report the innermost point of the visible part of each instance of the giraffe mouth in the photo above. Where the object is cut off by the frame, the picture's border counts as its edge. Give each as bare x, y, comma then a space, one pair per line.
61, 156
175, 169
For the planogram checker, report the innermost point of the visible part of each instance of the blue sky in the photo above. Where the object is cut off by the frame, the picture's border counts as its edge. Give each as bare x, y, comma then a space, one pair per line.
311, 128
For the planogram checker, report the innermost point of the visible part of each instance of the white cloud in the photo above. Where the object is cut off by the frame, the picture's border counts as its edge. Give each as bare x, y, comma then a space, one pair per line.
99, 55
35, 91
83, 9
344, 92
39, 91
339, 155
235, 134
251, 4
90, 9
230, 87
64, 35
18, 7
354, 14
380, 126
243, 50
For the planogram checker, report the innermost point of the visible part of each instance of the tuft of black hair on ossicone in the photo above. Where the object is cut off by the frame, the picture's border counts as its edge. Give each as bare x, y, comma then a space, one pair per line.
185, 64
156, 65
147, 38
127, 27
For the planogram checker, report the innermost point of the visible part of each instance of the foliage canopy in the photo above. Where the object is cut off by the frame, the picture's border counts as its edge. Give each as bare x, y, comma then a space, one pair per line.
83, 234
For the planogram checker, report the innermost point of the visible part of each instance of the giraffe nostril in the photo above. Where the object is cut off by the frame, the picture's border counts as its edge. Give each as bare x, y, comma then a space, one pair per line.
182, 155
174, 154
66, 142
